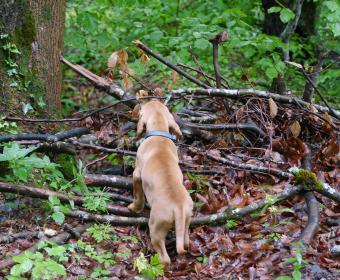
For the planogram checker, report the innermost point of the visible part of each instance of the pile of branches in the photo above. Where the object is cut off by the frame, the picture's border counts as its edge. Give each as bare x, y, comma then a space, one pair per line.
229, 134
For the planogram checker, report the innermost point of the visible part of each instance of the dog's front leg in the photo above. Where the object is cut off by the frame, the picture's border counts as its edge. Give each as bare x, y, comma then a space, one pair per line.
138, 195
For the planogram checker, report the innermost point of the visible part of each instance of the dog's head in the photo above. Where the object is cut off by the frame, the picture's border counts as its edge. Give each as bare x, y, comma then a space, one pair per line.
147, 110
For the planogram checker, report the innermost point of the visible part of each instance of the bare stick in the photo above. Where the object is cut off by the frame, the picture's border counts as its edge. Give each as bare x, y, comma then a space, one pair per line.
170, 65
216, 41
104, 149
312, 208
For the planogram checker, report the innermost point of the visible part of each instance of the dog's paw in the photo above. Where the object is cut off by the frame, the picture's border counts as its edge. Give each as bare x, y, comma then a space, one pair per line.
132, 207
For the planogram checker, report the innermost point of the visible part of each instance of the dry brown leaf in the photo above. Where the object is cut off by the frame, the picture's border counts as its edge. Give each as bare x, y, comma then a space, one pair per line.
272, 108
295, 129
326, 125
112, 61
142, 93
122, 58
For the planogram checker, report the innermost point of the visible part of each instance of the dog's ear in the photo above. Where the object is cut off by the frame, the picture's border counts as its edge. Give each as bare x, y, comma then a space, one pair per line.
174, 128
135, 112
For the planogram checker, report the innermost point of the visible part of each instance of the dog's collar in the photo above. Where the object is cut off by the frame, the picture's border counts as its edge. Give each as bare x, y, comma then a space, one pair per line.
160, 133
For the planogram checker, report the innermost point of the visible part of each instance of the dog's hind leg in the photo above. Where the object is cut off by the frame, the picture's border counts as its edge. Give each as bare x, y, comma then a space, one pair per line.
158, 232
138, 195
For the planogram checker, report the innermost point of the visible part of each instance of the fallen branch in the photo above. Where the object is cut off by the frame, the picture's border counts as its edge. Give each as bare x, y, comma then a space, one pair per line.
102, 84
45, 193
116, 181
59, 239
242, 126
115, 220
242, 93
75, 132
251, 167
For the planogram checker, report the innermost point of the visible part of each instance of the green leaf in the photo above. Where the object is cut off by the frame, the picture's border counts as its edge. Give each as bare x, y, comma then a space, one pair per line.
275, 9
57, 251
283, 278
201, 44
16, 270
286, 15
58, 217
26, 266
271, 73
54, 200
56, 268
296, 275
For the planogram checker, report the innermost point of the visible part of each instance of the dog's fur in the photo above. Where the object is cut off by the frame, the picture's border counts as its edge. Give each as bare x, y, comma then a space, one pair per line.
158, 176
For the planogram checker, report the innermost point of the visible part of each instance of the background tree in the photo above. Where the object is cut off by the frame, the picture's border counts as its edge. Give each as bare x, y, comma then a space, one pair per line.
30, 45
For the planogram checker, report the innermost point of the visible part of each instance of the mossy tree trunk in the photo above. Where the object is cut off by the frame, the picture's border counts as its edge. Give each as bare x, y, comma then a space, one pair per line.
31, 42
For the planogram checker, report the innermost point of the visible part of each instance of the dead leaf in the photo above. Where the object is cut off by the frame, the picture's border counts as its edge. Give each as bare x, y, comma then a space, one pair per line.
295, 129
295, 64
272, 108
112, 61
331, 150
141, 93
326, 124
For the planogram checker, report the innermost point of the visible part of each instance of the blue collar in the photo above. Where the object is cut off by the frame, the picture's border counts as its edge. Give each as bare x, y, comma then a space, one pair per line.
160, 133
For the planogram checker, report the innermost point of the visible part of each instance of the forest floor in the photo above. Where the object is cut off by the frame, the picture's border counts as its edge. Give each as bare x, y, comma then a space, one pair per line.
262, 245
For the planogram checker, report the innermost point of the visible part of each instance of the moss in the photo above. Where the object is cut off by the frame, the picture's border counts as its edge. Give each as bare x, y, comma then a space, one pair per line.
308, 179
25, 33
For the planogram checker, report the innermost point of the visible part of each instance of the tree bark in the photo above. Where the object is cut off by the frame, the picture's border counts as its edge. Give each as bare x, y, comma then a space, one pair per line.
36, 28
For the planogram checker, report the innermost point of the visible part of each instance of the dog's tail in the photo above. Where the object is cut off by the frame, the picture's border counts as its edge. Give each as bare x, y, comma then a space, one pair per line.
180, 230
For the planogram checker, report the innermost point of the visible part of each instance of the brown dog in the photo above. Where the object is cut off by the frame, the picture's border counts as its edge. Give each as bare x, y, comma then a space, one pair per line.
157, 174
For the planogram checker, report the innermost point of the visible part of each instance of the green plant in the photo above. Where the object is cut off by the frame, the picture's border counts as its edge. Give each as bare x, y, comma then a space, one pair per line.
201, 182
202, 259
230, 224
274, 236
96, 201
58, 209
37, 265
131, 238
106, 258
8, 127
11, 52
297, 262
100, 232
153, 269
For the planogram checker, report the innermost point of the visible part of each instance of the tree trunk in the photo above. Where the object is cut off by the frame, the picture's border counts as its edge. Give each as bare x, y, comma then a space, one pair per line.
31, 42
